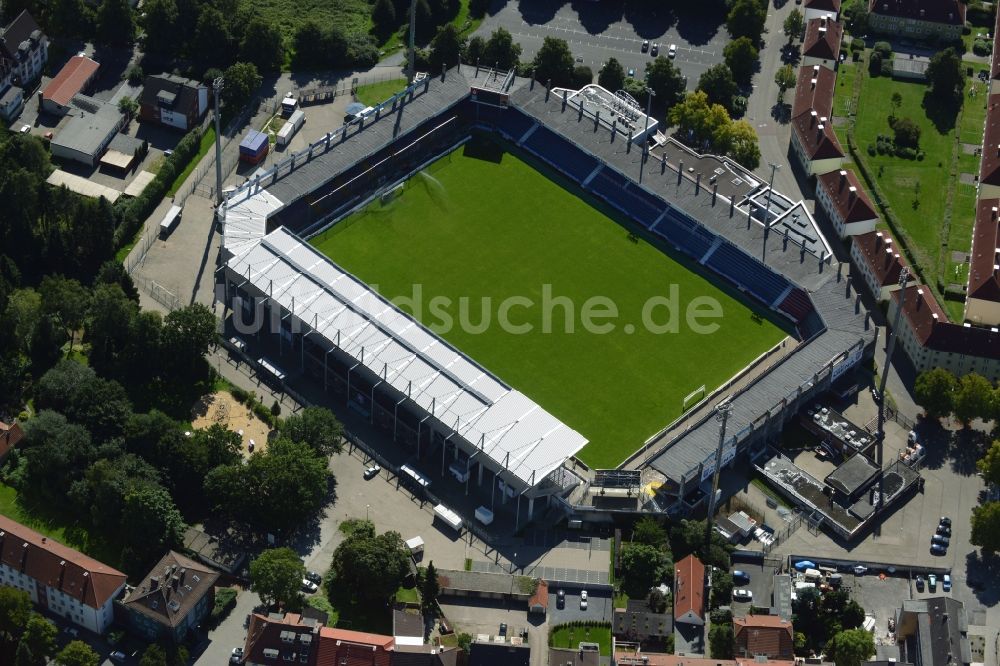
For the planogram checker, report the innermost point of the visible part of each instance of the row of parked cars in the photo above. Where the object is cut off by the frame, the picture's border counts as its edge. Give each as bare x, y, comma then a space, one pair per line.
932, 581
942, 537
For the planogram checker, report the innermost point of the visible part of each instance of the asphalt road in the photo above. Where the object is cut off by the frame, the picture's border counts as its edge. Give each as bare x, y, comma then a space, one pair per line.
599, 31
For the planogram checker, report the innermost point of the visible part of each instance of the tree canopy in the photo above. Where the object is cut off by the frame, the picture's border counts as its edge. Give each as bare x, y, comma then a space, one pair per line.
741, 56
642, 567
934, 390
612, 75
973, 398
666, 82
241, 80
77, 653
553, 62
794, 24
276, 575
718, 84
944, 73
986, 527
368, 567
502, 52
746, 19
989, 464
851, 647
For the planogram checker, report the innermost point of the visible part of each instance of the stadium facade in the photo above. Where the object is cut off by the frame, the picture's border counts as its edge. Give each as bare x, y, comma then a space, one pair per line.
427, 394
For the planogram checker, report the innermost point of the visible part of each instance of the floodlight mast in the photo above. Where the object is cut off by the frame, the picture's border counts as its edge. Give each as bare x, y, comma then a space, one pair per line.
217, 91
411, 66
722, 411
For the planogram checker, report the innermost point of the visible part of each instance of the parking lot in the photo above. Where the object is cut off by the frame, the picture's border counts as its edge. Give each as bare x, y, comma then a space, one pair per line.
761, 584
600, 605
599, 31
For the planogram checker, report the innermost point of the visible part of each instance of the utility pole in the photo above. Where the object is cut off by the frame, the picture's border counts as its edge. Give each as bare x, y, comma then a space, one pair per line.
217, 91
767, 213
645, 133
904, 276
411, 64
722, 411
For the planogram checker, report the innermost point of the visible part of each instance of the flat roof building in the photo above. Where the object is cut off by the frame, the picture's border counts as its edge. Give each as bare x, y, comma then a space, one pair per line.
91, 128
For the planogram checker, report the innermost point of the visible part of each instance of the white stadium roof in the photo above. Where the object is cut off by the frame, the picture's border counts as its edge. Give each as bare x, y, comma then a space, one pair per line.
504, 424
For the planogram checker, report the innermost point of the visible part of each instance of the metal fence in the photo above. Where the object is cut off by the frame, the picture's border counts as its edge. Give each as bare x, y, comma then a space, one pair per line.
783, 534
328, 93
158, 292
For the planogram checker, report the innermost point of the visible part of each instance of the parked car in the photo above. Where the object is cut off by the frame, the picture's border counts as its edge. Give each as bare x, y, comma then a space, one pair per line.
741, 577
25, 129
944, 530
631, 72
583, 600
919, 581
946, 582
860, 570
72, 631
932, 583
645, 45
945, 520
118, 657
939, 539
655, 50
371, 472
503, 629
560, 599
314, 577
938, 549
672, 51
237, 655
742, 595
309, 586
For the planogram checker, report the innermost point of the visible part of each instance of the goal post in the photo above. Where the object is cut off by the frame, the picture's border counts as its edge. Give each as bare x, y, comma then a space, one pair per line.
693, 397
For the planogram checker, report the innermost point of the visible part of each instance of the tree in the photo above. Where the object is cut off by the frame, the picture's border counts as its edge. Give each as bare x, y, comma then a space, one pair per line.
430, 589
945, 73
896, 101
934, 390
384, 17
160, 25
718, 83
746, 19
989, 465
153, 655
128, 107
907, 133
115, 24
986, 527
15, 612
688, 537
851, 647
720, 641
276, 575
643, 566
582, 76
446, 48
77, 653
722, 588
699, 122
68, 18
784, 78
739, 141
39, 639
656, 600
741, 56
263, 45
317, 427
475, 49
212, 41
554, 62
66, 299
187, 335
856, 15
973, 398
612, 75
649, 531
794, 24
55, 453
502, 52
368, 567
241, 80
152, 521
113, 272
666, 82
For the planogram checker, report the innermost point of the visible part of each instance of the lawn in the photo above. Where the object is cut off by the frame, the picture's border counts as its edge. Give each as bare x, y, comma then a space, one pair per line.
921, 193
58, 526
471, 233
207, 143
376, 93
570, 636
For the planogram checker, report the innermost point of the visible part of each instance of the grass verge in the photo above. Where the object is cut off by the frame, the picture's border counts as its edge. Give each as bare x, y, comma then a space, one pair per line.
571, 635
207, 141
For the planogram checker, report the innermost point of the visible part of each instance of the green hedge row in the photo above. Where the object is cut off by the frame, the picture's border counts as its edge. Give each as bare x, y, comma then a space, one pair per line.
135, 211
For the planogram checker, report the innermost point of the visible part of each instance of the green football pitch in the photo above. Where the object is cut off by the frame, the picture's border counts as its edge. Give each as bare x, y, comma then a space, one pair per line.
472, 241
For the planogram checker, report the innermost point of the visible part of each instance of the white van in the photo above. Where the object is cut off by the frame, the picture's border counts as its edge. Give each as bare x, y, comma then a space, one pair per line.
812, 575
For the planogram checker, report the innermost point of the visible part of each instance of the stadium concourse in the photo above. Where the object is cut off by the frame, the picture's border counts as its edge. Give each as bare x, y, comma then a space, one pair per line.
430, 396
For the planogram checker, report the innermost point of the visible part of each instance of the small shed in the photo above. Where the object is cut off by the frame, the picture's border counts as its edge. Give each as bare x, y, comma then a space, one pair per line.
539, 601
253, 147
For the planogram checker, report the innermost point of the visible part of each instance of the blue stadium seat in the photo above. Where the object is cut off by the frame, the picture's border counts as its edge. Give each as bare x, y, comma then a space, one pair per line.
748, 273
561, 154
514, 124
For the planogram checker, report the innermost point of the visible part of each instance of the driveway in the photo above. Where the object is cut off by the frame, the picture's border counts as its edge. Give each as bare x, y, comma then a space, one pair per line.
230, 633
600, 606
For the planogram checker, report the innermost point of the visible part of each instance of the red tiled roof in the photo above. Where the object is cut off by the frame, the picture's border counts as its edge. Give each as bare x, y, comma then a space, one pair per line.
340, 647
10, 435
984, 279
824, 5
995, 70
822, 39
265, 633
881, 255
934, 11
540, 599
57, 566
70, 80
817, 137
814, 90
989, 171
689, 587
848, 196
940, 334
764, 635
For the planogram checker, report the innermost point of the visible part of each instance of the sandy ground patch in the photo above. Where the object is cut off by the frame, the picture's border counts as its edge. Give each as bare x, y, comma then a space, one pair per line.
222, 408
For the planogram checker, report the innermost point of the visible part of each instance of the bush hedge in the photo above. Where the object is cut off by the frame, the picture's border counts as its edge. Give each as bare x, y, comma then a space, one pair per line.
978, 15
884, 48
982, 47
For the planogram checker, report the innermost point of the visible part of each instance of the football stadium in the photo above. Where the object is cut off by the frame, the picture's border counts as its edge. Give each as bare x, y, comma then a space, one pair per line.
430, 264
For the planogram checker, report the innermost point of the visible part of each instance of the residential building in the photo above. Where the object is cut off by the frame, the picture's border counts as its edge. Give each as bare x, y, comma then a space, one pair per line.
989, 168
814, 9
638, 622
933, 632
843, 199
484, 652
821, 45
58, 579
10, 435
813, 141
877, 261
766, 635
632, 656
931, 341
11, 103
566, 657
290, 636
171, 599
689, 591
983, 299
24, 50
73, 79
91, 127
173, 101
917, 19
